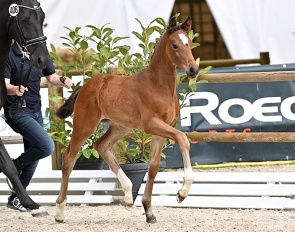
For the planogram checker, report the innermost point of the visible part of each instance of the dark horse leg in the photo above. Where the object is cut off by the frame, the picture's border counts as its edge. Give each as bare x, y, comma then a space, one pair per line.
8, 168
39, 55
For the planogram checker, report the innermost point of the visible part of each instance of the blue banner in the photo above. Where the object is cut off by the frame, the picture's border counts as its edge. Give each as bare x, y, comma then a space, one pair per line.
238, 107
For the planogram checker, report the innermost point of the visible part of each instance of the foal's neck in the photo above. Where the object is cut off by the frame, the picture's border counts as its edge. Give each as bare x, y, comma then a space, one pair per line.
162, 70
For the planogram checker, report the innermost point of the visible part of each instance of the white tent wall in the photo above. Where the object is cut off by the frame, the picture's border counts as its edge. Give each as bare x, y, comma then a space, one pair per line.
120, 14
252, 26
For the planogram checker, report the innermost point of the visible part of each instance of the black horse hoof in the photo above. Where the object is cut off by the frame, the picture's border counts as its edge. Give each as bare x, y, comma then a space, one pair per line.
41, 212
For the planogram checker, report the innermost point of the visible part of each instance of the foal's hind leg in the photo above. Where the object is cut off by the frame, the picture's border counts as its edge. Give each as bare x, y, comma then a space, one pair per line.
81, 132
104, 147
154, 163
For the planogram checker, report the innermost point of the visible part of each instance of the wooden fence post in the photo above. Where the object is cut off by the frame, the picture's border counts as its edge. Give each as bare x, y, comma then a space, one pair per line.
264, 57
54, 105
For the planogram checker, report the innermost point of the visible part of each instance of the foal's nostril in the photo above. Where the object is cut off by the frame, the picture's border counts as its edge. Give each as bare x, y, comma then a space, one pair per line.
193, 72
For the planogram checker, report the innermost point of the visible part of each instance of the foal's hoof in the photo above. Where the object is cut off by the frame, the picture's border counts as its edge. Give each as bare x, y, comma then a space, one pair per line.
179, 198
41, 212
59, 218
128, 207
151, 220
128, 200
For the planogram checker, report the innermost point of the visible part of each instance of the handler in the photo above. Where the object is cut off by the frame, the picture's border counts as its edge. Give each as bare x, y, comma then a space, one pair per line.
23, 114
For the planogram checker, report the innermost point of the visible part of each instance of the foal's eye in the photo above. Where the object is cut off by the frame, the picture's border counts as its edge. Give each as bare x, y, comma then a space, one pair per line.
174, 46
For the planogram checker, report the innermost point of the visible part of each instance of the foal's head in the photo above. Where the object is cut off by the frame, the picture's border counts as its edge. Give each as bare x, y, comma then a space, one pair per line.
179, 47
25, 25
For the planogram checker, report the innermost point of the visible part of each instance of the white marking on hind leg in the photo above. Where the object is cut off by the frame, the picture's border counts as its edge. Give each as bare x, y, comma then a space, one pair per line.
127, 188
60, 211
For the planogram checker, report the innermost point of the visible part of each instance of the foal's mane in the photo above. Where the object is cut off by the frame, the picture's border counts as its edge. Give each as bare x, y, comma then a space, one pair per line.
170, 31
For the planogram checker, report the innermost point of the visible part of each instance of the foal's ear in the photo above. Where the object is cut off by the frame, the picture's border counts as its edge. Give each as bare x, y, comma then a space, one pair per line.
172, 23
186, 26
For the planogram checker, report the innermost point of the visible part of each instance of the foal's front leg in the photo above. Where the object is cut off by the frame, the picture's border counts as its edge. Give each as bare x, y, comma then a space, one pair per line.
160, 128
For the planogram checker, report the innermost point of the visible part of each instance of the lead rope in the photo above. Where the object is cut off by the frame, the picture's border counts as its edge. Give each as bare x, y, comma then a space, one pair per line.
22, 101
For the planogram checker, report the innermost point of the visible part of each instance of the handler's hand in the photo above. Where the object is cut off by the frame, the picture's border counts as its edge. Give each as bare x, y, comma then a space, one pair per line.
20, 91
67, 82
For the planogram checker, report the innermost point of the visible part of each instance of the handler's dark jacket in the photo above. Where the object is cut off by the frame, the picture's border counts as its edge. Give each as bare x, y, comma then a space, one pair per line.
13, 70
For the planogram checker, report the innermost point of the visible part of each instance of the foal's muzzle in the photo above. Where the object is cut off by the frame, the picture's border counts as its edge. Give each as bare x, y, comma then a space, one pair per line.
192, 72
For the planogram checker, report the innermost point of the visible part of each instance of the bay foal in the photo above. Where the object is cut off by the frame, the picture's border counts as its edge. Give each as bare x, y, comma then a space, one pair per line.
147, 101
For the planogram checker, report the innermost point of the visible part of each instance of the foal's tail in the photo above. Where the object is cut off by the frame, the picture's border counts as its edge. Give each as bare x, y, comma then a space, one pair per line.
67, 108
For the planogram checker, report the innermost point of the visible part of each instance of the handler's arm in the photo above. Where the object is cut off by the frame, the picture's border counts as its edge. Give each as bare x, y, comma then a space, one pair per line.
13, 89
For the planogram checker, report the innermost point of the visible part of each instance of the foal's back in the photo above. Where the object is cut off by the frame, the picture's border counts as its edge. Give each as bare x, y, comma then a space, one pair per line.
128, 100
